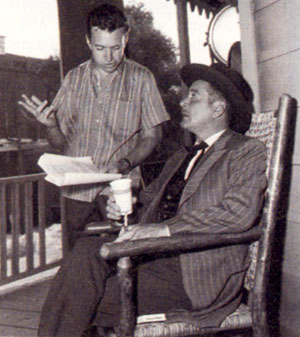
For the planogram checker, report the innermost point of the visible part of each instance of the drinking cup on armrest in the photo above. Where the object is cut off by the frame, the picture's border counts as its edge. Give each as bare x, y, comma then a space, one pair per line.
122, 192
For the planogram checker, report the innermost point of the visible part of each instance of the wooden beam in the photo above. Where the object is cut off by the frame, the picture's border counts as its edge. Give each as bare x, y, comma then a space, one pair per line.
184, 50
249, 51
183, 33
177, 243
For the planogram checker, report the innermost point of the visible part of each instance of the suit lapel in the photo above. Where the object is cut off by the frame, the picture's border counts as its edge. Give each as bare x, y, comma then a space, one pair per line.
213, 154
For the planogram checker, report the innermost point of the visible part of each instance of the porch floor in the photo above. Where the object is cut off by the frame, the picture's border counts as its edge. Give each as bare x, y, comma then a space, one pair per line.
20, 309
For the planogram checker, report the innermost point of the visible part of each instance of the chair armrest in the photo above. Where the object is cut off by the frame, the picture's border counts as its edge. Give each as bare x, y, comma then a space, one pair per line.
115, 250
97, 228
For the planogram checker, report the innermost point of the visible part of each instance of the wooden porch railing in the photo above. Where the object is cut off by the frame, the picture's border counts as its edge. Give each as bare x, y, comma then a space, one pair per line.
22, 212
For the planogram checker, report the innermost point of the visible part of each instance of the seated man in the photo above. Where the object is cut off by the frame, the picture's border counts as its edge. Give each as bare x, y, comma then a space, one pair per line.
218, 188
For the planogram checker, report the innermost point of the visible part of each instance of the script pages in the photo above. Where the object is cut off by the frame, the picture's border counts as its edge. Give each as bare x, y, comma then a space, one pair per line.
65, 170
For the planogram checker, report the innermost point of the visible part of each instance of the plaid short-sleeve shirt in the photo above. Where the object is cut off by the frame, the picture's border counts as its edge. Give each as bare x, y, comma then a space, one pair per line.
104, 119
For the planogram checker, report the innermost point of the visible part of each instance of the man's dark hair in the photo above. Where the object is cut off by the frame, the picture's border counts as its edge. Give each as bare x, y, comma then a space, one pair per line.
106, 17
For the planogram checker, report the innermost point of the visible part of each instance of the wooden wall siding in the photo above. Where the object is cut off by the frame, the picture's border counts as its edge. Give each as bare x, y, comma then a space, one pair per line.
271, 41
290, 300
290, 296
294, 198
260, 4
285, 80
273, 83
291, 256
276, 45
278, 54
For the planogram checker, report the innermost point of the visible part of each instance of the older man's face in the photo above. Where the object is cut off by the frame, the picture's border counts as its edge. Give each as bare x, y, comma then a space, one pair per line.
197, 110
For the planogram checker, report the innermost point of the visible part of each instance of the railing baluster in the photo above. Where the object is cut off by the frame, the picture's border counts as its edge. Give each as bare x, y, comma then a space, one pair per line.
17, 207
42, 224
3, 230
15, 227
29, 225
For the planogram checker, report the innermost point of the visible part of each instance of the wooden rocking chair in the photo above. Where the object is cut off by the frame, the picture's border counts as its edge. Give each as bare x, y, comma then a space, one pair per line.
272, 129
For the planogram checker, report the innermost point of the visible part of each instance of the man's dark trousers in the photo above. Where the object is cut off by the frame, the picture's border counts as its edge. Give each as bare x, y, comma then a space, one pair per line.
85, 278
79, 213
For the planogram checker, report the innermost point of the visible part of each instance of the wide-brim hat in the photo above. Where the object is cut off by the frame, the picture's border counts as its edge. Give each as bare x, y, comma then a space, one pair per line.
231, 84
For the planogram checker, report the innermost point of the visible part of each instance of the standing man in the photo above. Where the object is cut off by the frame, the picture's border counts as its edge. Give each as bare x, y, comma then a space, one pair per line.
217, 189
108, 108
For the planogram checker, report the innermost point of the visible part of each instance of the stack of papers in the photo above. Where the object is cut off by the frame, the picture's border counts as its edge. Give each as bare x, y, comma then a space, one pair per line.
65, 170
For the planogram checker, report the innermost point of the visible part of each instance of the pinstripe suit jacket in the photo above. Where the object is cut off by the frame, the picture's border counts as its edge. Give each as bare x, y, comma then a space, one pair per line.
224, 194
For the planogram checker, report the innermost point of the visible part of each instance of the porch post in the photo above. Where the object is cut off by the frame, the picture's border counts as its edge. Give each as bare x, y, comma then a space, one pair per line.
184, 49
249, 50
183, 33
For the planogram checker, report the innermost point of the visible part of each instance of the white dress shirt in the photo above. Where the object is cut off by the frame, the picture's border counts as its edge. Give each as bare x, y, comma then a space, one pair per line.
209, 141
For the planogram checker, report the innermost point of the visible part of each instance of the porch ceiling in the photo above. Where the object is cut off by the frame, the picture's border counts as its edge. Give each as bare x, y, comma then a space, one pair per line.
209, 6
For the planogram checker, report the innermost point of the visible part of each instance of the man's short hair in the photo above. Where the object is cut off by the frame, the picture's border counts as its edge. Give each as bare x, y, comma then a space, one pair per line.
106, 17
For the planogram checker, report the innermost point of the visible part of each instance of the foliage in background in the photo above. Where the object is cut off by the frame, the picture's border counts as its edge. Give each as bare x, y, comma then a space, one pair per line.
47, 77
149, 47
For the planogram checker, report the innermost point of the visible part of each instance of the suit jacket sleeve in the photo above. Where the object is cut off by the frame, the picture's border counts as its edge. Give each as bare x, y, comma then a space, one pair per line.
239, 206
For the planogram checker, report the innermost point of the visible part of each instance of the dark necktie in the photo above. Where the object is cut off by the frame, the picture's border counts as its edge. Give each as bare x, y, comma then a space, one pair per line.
170, 200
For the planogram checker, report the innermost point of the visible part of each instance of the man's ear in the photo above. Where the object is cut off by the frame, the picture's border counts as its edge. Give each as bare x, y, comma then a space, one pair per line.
88, 42
126, 37
219, 108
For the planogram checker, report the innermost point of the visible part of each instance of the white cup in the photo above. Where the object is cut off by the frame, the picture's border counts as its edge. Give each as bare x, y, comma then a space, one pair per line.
121, 189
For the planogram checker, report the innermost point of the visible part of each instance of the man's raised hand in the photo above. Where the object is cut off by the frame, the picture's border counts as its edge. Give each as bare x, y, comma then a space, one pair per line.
39, 110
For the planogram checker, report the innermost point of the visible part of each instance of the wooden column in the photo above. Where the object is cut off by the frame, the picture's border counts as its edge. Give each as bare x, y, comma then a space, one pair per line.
183, 33
249, 51
184, 49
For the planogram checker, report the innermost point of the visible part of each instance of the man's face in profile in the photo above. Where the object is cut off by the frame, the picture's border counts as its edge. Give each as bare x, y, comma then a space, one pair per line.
107, 48
197, 109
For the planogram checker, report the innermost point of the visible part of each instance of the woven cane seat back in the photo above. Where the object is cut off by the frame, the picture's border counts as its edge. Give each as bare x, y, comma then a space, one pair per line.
262, 128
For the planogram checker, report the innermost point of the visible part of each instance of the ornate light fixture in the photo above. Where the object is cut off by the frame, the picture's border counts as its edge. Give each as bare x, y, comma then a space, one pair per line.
223, 33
